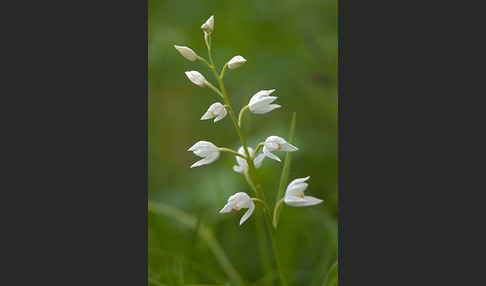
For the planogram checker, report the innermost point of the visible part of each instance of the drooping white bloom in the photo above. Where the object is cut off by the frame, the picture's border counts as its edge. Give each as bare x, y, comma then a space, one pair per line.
275, 143
208, 26
196, 78
236, 62
294, 195
239, 201
215, 110
260, 102
186, 52
207, 150
243, 165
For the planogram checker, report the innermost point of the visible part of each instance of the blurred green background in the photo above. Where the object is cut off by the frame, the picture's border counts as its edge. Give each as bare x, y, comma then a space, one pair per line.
290, 45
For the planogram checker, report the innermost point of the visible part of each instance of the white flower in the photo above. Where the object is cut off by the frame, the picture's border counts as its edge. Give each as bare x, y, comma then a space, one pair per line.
196, 78
208, 26
274, 143
261, 102
294, 195
239, 201
207, 150
215, 110
236, 62
243, 165
186, 52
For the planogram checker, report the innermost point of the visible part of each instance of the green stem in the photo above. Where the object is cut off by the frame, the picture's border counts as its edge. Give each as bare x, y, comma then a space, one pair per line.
208, 84
223, 149
224, 69
261, 202
240, 116
203, 60
258, 147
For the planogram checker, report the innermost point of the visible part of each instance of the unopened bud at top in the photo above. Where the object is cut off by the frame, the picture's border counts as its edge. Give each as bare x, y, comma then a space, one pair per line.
236, 62
186, 52
208, 26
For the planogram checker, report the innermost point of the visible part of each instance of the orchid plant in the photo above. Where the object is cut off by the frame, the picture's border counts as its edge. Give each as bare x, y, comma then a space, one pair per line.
247, 158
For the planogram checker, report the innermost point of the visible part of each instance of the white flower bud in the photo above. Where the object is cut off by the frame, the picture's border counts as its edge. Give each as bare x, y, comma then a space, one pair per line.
236, 62
186, 52
208, 26
196, 78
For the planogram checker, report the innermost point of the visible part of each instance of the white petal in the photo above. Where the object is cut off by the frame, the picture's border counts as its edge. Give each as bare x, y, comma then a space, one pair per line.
307, 201
248, 213
293, 200
196, 78
236, 62
241, 150
213, 156
226, 209
299, 187
270, 155
266, 100
240, 196
208, 26
203, 145
271, 107
275, 140
261, 105
258, 160
207, 115
265, 109
186, 52
220, 115
239, 160
262, 93
299, 180
287, 147
238, 169
312, 200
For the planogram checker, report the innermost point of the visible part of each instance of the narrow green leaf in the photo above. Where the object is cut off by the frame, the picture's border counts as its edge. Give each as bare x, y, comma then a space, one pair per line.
332, 276
204, 232
284, 177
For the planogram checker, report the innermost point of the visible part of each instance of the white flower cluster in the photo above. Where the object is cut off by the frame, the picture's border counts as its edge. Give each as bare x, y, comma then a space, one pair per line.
247, 158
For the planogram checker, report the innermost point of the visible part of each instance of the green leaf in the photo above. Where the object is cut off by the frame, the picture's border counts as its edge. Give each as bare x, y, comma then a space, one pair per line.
284, 177
332, 276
